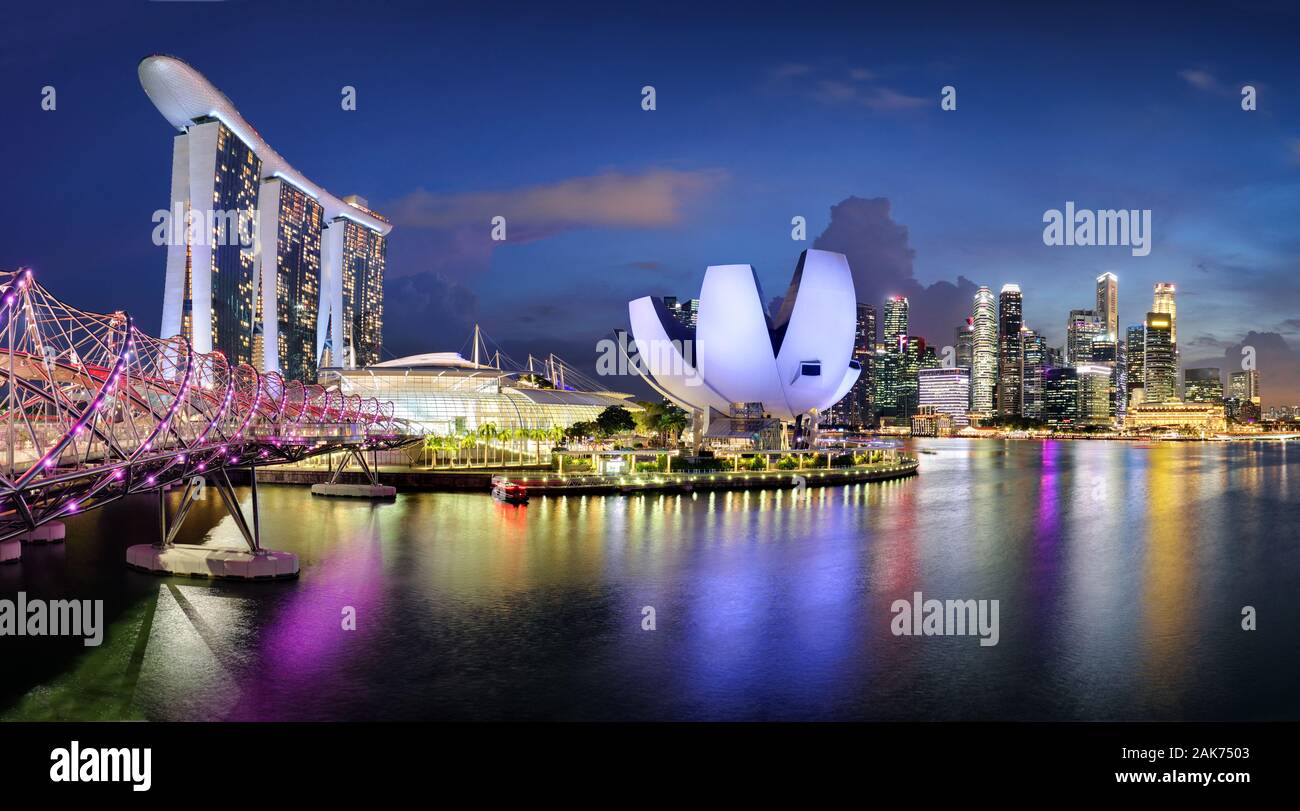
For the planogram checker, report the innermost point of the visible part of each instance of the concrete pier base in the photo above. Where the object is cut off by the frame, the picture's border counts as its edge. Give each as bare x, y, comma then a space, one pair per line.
10, 550
212, 562
52, 532
355, 490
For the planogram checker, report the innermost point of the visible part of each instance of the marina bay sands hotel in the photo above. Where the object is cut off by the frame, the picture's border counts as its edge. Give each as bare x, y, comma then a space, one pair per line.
307, 293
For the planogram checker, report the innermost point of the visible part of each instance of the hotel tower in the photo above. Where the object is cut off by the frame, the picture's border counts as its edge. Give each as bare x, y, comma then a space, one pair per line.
271, 269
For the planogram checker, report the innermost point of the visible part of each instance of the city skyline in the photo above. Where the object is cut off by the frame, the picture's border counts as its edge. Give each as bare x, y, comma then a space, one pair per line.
668, 199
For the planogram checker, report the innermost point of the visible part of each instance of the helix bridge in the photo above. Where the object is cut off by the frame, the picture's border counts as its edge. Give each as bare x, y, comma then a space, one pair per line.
95, 409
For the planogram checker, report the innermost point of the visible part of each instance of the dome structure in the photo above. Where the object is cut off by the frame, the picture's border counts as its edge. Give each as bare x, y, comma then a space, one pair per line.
796, 363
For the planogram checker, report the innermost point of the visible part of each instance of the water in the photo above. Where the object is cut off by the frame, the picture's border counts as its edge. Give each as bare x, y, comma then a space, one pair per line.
1120, 570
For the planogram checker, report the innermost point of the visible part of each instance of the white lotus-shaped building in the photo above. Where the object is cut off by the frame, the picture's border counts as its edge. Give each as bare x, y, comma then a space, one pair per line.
796, 364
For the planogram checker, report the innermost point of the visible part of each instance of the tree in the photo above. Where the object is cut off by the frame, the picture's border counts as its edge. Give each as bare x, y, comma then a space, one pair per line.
487, 432
673, 421
615, 420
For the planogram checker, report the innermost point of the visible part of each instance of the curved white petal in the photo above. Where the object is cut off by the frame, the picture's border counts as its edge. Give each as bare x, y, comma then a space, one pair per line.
819, 328
663, 359
733, 341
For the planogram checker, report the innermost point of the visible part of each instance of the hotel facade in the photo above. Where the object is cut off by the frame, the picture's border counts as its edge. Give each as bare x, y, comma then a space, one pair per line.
272, 270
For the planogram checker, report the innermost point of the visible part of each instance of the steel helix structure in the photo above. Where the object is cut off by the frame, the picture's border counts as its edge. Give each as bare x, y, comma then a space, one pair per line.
94, 409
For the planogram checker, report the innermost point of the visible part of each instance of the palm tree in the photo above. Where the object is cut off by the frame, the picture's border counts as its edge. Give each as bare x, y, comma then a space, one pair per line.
487, 432
467, 442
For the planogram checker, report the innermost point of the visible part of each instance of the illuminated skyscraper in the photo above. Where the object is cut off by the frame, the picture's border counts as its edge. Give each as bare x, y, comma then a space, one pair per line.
276, 299
1035, 364
895, 323
290, 272
1160, 371
947, 390
964, 345
1164, 304
857, 409
1094, 382
1108, 304
1134, 358
1083, 328
1061, 397
984, 366
1203, 385
1010, 320
1245, 386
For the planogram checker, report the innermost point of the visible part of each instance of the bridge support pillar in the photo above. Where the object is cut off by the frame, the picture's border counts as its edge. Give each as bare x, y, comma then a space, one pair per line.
10, 550
189, 560
372, 490
50, 532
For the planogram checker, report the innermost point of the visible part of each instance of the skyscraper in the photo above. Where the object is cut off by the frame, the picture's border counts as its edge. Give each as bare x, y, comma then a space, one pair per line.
1164, 304
964, 345
857, 409
277, 299
1035, 364
895, 323
1134, 358
1203, 385
1094, 382
1083, 328
1160, 372
1061, 397
1244, 386
1010, 320
1108, 304
947, 390
984, 366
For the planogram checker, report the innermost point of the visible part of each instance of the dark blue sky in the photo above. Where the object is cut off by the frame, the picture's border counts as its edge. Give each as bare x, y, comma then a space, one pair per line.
535, 113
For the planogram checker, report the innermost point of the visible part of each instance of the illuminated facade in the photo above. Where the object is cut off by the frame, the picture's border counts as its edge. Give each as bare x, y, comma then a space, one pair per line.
1108, 304
895, 322
1035, 364
1159, 368
1083, 328
275, 301
1203, 385
1010, 380
984, 364
1134, 357
1202, 417
1244, 386
1094, 392
446, 395
946, 391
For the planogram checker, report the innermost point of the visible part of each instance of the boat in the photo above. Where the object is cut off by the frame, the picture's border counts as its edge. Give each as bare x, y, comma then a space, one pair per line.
510, 492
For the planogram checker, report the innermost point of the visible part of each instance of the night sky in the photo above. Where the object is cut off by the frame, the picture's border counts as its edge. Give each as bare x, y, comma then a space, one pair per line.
535, 114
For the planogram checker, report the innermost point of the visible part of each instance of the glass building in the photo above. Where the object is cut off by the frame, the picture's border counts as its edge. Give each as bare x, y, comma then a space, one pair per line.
446, 395
1160, 369
895, 323
947, 390
365, 253
1035, 365
1083, 328
1061, 397
1010, 373
1203, 385
289, 295
1108, 304
1134, 357
984, 366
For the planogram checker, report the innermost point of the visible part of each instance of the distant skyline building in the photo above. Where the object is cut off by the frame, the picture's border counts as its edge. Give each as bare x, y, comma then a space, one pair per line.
1134, 357
273, 297
1108, 304
1081, 330
895, 323
964, 345
1204, 385
857, 409
1160, 370
1010, 320
1035, 364
947, 390
1094, 391
686, 311
1244, 386
1164, 303
1061, 397
984, 368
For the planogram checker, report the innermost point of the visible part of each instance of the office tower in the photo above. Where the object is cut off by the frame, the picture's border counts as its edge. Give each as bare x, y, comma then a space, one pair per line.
289, 267
1108, 304
895, 323
1106, 353
984, 366
1160, 371
1094, 389
914, 356
888, 368
259, 300
1245, 386
1203, 385
1061, 397
1055, 357
1134, 356
1010, 320
947, 390
1033, 349
1165, 305
1083, 327
208, 296
1119, 384
964, 345
857, 409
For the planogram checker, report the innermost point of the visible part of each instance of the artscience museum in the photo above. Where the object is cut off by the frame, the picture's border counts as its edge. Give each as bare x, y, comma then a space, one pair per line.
743, 372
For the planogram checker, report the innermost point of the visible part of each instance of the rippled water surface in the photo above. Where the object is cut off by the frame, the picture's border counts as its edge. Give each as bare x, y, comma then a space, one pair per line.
1121, 571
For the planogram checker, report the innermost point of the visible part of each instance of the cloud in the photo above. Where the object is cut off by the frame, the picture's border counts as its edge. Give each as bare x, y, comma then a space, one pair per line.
880, 256
426, 312
856, 87
1202, 80
1278, 364
653, 199
451, 234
